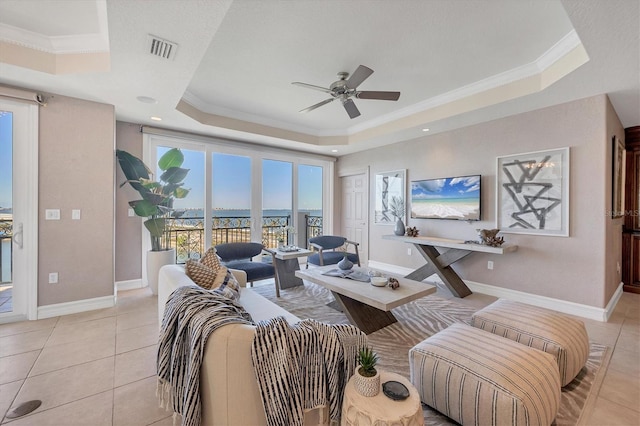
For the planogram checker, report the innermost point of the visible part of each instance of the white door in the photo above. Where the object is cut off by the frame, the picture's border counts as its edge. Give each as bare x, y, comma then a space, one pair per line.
355, 210
18, 210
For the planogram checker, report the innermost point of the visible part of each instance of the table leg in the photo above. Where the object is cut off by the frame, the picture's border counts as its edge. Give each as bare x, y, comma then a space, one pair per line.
440, 264
285, 273
365, 317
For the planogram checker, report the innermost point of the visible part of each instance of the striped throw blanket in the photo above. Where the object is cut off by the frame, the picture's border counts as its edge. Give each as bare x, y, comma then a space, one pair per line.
303, 366
191, 315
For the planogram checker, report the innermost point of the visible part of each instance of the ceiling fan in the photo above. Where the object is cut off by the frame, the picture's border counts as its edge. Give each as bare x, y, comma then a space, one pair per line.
344, 89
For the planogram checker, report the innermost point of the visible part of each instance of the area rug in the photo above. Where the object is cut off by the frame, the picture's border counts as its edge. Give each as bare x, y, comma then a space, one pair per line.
422, 318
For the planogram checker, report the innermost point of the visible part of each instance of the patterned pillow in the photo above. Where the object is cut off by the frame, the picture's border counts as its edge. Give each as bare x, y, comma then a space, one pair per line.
222, 281
200, 274
211, 260
229, 287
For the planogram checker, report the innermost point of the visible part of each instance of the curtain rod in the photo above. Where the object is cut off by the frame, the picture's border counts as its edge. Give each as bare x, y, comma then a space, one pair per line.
23, 95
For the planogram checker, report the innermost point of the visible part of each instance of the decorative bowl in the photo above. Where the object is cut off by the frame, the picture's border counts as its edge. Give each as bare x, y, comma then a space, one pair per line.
379, 281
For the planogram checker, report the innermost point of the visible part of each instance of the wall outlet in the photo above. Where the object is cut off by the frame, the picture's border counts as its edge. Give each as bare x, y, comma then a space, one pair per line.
131, 213
75, 214
490, 265
409, 251
53, 278
618, 267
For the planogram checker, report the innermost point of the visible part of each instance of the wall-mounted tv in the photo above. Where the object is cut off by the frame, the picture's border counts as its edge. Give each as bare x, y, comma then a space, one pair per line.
448, 198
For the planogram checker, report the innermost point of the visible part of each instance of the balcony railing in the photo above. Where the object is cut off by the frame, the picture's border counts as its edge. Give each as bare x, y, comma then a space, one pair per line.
6, 234
186, 235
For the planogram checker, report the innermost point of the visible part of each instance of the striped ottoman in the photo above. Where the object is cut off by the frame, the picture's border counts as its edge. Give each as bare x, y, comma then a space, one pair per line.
559, 335
478, 378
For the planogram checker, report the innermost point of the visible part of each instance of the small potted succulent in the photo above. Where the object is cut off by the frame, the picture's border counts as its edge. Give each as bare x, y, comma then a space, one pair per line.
367, 378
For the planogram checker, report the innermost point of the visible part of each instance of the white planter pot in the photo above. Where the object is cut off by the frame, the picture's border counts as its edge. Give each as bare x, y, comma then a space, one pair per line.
155, 261
366, 386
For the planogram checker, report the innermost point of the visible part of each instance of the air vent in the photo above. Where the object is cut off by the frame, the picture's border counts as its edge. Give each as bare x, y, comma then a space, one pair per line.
162, 48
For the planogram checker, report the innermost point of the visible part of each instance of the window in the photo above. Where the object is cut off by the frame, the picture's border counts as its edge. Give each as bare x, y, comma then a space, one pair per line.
241, 193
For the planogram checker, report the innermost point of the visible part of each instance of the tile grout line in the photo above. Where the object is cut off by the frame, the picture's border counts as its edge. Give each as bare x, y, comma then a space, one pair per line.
24, 381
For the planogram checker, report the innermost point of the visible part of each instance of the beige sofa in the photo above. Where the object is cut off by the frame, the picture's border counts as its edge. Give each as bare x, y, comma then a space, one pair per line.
229, 390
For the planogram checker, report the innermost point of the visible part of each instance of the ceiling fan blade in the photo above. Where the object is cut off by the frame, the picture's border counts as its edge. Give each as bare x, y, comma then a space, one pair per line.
358, 76
318, 105
311, 86
351, 108
383, 96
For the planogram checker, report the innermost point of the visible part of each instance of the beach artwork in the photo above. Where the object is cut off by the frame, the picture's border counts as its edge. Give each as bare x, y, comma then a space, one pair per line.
448, 198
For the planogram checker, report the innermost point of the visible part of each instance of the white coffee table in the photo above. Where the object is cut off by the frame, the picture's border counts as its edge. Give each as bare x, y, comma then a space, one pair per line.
366, 306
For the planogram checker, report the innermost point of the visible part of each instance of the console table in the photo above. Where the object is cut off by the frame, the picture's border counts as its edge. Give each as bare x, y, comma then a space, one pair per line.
440, 262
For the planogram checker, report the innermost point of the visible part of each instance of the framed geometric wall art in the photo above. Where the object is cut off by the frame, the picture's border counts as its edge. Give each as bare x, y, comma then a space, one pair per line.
532, 193
390, 187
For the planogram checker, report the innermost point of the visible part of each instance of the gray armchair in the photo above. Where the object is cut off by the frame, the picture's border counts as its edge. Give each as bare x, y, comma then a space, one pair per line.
239, 256
325, 247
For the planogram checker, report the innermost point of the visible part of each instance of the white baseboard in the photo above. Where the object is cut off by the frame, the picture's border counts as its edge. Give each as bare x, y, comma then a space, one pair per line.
129, 284
75, 307
572, 308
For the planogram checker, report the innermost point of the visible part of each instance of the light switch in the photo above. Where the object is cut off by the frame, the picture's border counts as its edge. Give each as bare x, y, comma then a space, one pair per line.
75, 214
52, 214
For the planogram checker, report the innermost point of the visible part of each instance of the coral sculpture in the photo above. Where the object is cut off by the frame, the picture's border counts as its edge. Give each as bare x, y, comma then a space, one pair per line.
489, 237
412, 231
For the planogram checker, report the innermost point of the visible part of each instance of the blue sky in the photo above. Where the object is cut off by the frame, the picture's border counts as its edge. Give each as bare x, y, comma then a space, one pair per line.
6, 158
232, 182
461, 187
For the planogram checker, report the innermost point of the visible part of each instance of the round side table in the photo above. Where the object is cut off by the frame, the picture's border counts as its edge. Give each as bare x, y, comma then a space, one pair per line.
380, 410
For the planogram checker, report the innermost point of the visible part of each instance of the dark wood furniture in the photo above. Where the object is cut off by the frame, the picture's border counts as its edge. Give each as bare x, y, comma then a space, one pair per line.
631, 227
439, 262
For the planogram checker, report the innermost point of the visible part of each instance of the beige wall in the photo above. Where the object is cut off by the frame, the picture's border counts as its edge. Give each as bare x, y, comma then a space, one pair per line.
575, 268
613, 241
128, 255
76, 171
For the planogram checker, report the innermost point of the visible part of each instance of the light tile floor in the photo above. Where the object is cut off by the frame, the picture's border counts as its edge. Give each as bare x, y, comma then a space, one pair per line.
98, 368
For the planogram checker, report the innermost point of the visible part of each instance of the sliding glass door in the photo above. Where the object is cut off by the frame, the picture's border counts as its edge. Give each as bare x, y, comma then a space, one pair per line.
18, 210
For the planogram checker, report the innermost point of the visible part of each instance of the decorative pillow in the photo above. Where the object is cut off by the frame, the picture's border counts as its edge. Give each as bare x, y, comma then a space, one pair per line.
211, 260
229, 287
200, 274
222, 281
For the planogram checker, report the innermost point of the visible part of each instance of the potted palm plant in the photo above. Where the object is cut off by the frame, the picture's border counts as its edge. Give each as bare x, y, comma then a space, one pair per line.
156, 203
367, 379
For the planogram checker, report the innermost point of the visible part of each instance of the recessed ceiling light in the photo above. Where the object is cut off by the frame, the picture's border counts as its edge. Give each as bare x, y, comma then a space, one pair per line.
147, 100
156, 118
334, 150
425, 129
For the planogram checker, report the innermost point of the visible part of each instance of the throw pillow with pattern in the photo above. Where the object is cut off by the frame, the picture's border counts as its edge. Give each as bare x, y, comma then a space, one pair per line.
200, 274
222, 280
211, 260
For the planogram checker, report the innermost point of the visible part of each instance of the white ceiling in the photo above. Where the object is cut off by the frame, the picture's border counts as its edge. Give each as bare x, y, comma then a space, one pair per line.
456, 63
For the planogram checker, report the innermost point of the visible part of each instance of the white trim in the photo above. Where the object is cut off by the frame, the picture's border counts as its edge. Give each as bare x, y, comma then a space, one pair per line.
25, 208
129, 285
76, 306
572, 308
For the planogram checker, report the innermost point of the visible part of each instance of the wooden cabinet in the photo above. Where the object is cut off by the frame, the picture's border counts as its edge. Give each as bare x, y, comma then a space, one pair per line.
631, 229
